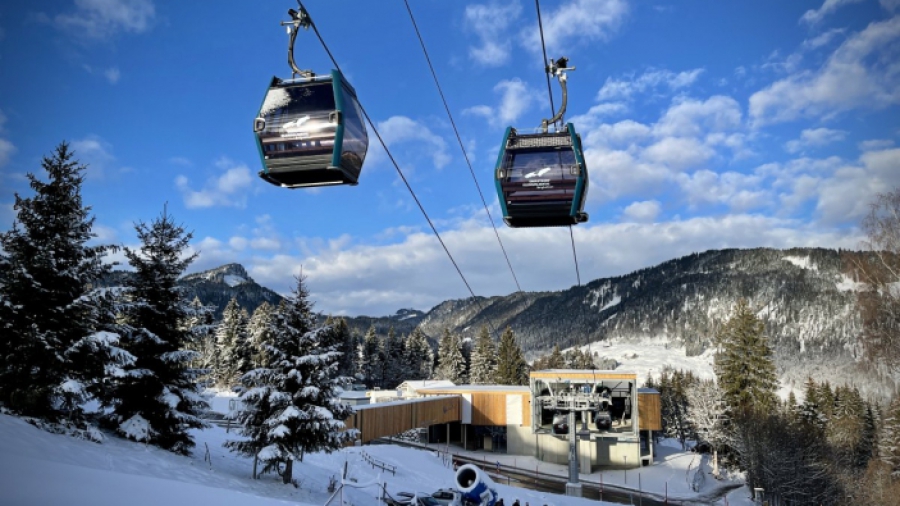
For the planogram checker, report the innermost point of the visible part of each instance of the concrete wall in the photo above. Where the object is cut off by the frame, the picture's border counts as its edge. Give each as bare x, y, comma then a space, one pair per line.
602, 452
618, 452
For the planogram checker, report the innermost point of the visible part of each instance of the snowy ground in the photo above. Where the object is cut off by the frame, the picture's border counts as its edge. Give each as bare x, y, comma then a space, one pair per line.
40, 468
649, 356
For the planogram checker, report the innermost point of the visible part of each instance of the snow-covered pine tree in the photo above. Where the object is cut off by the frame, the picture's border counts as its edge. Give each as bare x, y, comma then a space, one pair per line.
392, 371
291, 406
705, 414
556, 361
511, 366
258, 333
58, 343
419, 355
744, 365
846, 425
371, 359
348, 348
157, 400
465, 348
484, 359
584, 360
231, 341
451, 365
889, 439
200, 325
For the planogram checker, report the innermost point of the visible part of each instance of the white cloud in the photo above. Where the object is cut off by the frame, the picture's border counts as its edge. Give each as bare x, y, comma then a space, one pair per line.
822, 39
226, 190
859, 73
7, 215
814, 16
739, 192
690, 117
490, 23
645, 211
650, 80
874, 144
363, 279
576, 23
112, 75
622, 134
95, 153
890, 5
515, 99
814, 137
400, 130
596, 114
100, 19
6, 148
265, 243
6, 151
238, 243
678, 153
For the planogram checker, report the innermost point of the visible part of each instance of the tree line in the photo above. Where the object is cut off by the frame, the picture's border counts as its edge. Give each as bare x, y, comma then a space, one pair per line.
143, 354
141, 351
833, 447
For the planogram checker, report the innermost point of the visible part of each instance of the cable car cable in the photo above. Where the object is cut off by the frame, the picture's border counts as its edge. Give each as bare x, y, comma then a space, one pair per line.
459, 140
399, 171
575, 255
537, 5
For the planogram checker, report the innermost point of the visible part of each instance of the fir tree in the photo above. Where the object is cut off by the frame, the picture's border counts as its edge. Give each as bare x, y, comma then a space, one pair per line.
392, 370
371, 358
556, 361
511, 366
348, 345
889, 440
58, 342
484, 359
744, 366
419, 355
258, 330
200, 325
231, 341
157, 400
291, 405
451, 364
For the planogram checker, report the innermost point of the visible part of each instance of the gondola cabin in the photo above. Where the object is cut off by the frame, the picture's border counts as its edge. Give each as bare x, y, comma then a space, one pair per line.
310, 132
542, 179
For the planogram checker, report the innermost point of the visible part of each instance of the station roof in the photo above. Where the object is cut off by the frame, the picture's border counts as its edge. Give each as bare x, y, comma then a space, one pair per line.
583, 374
466, 389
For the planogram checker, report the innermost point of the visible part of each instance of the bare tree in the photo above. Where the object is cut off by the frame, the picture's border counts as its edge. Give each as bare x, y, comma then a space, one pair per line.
879, 272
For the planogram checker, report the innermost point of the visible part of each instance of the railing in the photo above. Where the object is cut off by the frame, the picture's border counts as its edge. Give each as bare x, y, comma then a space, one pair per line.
379, 464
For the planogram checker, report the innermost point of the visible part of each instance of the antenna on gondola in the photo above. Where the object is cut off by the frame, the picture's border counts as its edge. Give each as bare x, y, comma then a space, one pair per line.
299, 18
557, 68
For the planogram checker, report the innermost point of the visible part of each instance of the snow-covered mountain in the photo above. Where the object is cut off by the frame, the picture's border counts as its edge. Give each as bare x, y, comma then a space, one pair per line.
803, 295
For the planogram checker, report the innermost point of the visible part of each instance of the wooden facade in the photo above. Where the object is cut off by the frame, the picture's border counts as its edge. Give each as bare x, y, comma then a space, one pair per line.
492, 409
649, 410
391, 418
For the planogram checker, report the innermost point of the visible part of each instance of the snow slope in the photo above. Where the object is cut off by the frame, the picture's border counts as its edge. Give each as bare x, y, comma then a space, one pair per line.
40, 468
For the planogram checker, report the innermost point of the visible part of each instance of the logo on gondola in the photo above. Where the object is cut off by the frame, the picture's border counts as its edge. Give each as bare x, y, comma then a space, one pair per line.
537, 173
295, 126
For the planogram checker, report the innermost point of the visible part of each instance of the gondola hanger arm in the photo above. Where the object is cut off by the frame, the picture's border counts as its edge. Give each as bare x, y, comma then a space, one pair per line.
299, 18
558, 69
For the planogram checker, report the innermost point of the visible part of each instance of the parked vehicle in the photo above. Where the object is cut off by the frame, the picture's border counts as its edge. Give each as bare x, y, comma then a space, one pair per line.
406, 498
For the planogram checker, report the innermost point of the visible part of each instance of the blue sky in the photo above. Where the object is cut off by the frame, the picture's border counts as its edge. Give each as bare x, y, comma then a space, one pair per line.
706, 125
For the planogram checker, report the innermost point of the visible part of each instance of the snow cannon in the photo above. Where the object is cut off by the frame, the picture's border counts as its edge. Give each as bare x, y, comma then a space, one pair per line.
475, 485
